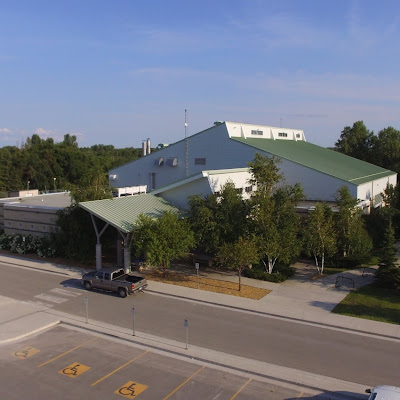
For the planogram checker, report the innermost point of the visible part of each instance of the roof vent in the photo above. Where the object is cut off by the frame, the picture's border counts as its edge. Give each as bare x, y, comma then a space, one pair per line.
112, 177
172, 161
216, 123
159, 161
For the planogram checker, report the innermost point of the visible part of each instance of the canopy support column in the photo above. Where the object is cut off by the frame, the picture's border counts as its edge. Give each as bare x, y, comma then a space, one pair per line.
127, 251
98, 244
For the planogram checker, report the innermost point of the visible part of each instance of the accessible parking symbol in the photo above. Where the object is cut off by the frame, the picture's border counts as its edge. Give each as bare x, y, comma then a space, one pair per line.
74, 370
131, 389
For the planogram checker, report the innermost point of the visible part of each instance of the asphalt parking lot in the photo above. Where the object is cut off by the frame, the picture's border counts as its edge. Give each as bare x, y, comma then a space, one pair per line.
71, 364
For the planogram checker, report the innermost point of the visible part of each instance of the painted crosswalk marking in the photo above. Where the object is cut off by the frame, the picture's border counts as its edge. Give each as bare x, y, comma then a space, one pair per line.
41, 304
64, 292
53, 299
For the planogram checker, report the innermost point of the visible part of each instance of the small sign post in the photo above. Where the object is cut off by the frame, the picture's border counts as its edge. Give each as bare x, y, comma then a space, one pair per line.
133, 321
186, 325
197, 265
87, 309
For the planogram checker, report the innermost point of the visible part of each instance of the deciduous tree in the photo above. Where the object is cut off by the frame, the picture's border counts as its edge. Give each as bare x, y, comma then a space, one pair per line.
273, 218
239, 255
162, 239
320, 236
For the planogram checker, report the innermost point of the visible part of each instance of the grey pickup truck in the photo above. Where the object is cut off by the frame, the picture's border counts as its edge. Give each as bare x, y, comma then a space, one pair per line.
114, 280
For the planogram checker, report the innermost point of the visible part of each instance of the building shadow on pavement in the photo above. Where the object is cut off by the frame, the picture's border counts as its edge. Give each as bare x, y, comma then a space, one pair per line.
324, 305
339, 395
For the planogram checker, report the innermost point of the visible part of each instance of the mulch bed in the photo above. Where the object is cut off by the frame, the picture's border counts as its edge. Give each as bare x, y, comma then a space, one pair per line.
210, 285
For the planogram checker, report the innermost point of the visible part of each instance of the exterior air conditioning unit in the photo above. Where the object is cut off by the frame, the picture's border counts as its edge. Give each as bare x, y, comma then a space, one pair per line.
112, 177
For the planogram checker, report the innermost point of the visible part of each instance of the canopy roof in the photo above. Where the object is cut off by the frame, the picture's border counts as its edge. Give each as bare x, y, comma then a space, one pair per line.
122, 212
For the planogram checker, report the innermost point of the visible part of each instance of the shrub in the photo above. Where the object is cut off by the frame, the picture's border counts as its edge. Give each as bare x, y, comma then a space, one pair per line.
280, 273
20, 244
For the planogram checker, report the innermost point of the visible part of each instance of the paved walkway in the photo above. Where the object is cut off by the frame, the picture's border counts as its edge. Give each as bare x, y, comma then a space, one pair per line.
298, 299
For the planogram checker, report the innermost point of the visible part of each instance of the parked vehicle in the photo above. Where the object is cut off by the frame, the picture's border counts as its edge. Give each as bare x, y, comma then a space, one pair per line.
114, 280
384, 392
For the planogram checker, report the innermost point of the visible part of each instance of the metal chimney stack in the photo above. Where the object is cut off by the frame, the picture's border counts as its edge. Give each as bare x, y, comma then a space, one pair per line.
144, 148
148, 146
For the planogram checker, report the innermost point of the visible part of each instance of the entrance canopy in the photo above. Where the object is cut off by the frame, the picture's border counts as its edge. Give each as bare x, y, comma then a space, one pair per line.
122, 213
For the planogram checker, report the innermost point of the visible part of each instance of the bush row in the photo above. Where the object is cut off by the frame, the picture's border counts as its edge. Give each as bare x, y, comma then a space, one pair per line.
280, 273
20, 244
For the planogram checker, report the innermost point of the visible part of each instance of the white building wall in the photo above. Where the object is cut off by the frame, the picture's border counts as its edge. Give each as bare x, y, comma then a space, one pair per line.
316, 185
220, 152
267, 132
370, 189
179, 196
212, 144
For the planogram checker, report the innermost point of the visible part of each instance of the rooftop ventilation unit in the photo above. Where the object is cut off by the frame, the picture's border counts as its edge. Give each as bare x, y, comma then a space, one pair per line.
159, 161
172, 161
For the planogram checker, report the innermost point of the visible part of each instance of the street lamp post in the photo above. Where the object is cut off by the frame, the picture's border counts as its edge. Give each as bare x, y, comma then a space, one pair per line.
28, 186
54, 181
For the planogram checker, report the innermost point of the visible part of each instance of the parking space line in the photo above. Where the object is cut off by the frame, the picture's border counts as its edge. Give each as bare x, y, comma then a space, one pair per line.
69, 351
184, 383
300, 395
116, 370
243, 386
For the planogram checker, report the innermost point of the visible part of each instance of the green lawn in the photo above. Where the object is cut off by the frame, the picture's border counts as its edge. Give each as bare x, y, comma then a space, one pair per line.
371, 302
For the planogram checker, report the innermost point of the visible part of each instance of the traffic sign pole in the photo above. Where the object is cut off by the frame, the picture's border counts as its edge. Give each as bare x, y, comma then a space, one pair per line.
133, 321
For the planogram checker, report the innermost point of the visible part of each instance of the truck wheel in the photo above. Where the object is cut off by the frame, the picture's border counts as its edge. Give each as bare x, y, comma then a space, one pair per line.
87, 285
122, 292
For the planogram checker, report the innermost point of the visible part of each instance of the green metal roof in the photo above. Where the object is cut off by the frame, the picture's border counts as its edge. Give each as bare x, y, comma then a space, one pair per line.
320, 159
123, 212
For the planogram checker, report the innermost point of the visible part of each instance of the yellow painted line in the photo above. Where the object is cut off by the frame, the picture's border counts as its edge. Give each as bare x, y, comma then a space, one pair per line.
184, 383
250, 379
300, 395
69, 351
116, 370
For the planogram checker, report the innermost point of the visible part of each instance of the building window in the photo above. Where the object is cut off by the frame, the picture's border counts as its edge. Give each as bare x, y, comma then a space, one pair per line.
248, 189
298, 135
200, 161
239, 190
256, 132
282, 134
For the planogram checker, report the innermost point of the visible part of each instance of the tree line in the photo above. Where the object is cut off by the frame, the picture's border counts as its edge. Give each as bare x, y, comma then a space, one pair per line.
48, 166
382, 149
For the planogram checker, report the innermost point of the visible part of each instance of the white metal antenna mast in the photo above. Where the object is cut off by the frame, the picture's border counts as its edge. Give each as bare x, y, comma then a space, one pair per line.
186, 146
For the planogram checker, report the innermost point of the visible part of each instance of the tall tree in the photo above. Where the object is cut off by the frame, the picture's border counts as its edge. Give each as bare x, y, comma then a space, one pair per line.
356, 141
239, 255
387, 149
162, 239
273, 218
218, 218
320, 236
388, 274
352, 237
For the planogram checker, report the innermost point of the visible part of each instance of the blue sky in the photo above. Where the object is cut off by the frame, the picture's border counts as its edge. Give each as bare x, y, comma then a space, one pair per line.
117, 72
